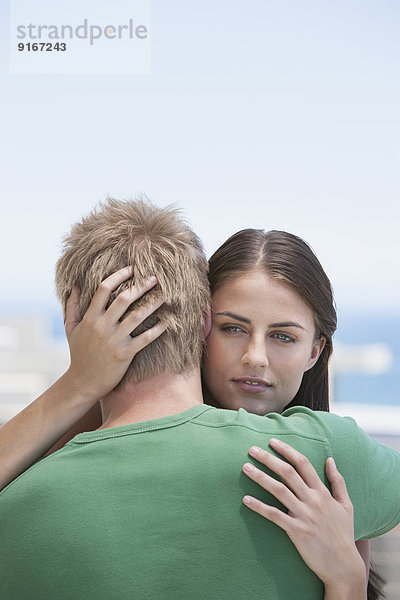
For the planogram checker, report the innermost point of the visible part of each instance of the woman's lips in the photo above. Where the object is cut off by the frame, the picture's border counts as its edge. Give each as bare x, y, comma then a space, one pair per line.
254, 385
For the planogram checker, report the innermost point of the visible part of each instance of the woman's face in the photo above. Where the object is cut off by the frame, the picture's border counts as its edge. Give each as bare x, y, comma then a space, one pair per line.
261, 342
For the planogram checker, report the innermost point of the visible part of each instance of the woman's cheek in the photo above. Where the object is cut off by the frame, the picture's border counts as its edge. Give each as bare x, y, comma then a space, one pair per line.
216, 344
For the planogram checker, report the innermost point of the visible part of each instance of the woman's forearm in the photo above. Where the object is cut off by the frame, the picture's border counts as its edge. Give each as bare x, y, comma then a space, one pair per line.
33, 431
91, 420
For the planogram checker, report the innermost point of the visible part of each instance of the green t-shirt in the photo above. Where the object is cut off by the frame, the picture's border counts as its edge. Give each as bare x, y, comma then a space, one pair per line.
154, 510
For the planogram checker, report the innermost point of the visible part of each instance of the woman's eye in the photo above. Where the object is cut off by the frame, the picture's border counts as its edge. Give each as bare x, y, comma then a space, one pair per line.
231, 329
283, 337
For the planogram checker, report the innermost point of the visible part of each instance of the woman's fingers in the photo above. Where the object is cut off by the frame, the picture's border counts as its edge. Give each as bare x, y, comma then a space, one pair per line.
118, 307
338, 484
271, 485
106, 287
299, 462
137, 316
72, 317
302, 480
269, 512
293, 479
144, 339
124, 299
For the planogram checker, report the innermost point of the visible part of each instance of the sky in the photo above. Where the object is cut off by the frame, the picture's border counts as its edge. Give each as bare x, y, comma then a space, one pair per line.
275, 115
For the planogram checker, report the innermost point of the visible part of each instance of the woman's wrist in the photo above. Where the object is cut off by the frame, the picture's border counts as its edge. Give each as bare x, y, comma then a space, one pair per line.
350, 583
74, 393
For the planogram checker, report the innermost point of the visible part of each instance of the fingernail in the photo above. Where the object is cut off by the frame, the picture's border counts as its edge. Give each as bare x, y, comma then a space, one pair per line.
248, 468
247, 500
254, 450
153, 279
274, 441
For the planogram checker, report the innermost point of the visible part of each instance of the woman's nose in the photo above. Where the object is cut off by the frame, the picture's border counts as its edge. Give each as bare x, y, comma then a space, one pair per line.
255, 354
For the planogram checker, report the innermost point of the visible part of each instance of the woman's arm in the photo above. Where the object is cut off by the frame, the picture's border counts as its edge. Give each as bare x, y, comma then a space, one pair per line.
90, 421
320, 524
101, 350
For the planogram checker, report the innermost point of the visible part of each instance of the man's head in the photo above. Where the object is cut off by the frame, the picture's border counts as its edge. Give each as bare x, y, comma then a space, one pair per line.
154, 241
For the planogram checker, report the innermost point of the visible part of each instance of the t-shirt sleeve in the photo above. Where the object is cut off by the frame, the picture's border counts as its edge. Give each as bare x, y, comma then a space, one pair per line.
372, 474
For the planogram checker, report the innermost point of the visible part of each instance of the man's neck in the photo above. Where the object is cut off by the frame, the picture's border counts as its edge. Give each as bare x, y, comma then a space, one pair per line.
160, 396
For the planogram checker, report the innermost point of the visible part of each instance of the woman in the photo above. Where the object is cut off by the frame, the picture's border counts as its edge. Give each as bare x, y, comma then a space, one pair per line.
271, 338
101, 332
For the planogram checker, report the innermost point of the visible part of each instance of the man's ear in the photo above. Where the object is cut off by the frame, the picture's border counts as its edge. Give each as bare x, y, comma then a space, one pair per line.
208, 322
318, 346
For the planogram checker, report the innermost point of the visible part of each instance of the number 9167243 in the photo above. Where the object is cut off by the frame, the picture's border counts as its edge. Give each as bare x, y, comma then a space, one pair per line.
42, 47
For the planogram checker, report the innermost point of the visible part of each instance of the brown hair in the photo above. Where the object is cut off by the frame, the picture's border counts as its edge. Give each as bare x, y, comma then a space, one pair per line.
155, 241
289, 258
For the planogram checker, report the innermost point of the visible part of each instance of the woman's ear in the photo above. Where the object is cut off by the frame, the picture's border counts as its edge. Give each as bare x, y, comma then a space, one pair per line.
317, 347
208, 322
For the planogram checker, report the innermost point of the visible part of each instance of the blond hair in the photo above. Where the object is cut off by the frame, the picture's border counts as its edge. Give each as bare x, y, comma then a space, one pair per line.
154, 241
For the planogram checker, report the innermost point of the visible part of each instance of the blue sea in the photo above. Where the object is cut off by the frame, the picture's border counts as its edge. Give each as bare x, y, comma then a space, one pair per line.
355, 329
371, 328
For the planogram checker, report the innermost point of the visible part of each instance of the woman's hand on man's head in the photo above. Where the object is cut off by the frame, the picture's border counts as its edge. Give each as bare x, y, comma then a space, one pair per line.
100, 344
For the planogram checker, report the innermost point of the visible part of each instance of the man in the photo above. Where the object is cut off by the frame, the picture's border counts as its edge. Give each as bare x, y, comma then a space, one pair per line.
149, 505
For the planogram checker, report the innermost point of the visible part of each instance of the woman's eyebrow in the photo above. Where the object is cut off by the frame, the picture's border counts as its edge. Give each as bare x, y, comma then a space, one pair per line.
272, 325
233, 316
288, 324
